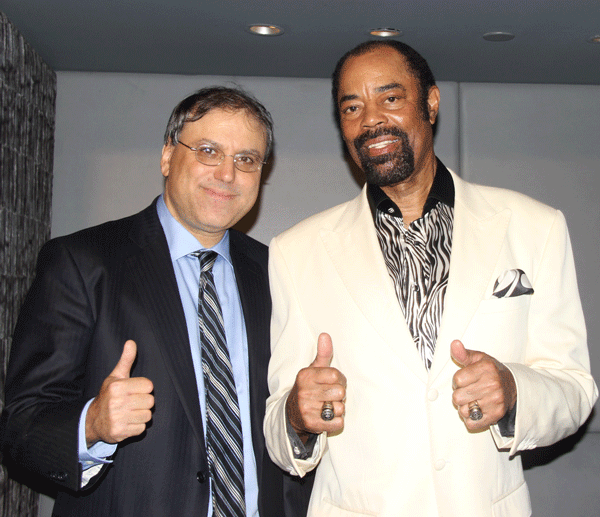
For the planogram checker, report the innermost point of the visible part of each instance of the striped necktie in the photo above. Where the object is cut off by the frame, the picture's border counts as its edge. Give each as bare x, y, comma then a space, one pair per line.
223, 426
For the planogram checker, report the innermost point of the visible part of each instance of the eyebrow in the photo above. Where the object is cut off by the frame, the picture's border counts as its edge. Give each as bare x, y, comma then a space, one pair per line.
205, 141
347, 98
390, 86
251, 151
379, 89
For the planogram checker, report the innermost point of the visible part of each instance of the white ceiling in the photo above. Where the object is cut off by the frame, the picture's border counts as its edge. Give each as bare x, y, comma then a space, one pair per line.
210, 38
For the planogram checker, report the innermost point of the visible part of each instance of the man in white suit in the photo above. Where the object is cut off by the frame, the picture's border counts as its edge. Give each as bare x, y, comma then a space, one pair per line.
425, 332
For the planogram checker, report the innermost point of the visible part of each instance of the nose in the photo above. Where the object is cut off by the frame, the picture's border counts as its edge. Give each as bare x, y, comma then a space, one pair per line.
226, 170
372, 115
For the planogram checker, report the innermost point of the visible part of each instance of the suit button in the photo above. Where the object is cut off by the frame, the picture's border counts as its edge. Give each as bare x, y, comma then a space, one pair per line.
201, 477
59, 476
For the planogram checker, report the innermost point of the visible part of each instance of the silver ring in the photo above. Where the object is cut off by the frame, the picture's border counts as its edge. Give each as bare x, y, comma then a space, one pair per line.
475, 412
327, 413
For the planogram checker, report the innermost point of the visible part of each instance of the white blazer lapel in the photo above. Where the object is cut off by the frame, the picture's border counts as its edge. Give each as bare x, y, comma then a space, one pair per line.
367, 280
478, 233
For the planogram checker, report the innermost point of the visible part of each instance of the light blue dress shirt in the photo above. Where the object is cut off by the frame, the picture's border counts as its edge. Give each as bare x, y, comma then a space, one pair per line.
187, 272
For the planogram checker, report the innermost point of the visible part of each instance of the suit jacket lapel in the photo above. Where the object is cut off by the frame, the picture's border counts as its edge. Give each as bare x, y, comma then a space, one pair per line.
478, 234
367, 279
253, 287
152, 272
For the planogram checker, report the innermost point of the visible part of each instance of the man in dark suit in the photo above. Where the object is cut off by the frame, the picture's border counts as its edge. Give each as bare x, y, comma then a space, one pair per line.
105, 392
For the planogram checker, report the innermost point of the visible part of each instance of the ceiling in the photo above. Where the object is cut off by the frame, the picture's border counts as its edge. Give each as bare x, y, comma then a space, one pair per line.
205, 37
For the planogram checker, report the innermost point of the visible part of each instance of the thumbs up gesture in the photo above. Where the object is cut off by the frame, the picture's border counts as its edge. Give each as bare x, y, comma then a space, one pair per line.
316, 384
484, 380
123, 406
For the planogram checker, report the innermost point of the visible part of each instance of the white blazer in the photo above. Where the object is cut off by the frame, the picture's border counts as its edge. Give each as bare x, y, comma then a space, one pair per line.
404, 451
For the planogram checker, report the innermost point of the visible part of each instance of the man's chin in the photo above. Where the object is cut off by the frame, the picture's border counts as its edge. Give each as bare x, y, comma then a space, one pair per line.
383, 176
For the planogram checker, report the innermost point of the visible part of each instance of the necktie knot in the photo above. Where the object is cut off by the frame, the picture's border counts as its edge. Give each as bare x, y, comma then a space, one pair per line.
207, 259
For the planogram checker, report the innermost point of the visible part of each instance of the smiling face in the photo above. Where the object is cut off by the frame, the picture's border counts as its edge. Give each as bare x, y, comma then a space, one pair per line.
207, 200
382, 119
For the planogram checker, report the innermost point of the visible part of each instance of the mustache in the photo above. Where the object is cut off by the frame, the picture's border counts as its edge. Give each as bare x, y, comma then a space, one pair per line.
360, 140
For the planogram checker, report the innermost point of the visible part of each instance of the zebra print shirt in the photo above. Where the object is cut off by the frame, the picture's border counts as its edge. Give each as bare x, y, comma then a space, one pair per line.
418, 258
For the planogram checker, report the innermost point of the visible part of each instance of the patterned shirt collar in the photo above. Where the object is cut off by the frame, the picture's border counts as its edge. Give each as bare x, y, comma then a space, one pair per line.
418, 257
442, 190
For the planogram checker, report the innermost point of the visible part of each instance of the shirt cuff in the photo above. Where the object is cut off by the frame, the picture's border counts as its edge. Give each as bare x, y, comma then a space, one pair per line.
302, 451
97, 453
506, 425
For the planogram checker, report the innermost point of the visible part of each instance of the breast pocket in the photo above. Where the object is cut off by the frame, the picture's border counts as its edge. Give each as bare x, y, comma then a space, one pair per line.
515, 303
499, 327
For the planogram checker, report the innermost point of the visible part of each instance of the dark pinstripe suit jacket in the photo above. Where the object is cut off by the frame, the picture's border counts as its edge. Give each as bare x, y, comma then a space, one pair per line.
94, 290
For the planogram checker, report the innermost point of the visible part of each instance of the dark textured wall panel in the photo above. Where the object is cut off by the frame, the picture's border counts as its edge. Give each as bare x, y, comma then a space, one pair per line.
27, 100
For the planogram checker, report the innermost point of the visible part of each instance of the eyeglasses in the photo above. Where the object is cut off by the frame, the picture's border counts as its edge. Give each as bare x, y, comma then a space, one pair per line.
210, 155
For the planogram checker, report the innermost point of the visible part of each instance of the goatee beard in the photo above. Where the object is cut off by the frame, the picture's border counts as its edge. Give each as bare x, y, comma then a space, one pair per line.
390, 168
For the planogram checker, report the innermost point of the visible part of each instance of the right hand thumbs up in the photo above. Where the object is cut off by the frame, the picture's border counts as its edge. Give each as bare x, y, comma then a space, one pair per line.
314, 385
123, 407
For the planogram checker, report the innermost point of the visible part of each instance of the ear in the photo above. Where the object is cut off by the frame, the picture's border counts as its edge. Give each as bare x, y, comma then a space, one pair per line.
433, 103
165, 160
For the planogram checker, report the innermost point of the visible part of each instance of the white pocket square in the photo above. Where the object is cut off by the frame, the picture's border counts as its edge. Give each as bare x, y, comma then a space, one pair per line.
513, 282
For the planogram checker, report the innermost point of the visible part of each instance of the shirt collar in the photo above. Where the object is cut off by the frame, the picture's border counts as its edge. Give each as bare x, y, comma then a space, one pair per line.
180, 241
442, 190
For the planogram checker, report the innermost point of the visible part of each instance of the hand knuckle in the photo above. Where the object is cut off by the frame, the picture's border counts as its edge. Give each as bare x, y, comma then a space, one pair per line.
303, 374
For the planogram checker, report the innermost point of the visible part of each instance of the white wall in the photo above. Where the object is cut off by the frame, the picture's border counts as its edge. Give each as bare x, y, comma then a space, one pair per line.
541, 140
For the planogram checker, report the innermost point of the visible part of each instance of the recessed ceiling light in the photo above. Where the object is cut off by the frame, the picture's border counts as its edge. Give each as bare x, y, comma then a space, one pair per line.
261, 29
498, 36
595, 39
385, 33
